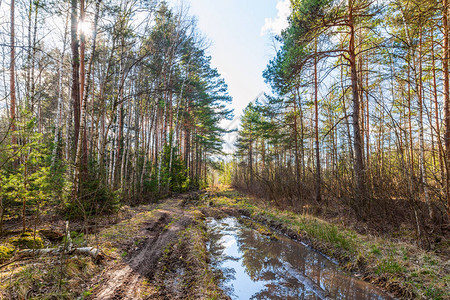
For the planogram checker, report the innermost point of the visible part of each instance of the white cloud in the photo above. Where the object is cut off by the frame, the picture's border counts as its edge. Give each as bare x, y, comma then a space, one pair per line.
275, 26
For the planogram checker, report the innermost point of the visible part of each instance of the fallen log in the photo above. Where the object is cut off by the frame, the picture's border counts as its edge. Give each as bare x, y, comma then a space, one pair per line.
91, 251
39, 252
88, 251
66, 248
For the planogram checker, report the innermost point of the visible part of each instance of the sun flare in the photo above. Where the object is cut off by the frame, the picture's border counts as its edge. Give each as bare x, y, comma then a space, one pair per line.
85, 27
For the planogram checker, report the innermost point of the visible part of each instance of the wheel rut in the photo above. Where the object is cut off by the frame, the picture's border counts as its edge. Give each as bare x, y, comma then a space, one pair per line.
124, 280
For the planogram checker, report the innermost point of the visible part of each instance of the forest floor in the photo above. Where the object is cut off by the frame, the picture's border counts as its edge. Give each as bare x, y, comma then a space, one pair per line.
166, 260
155, 251
158, 251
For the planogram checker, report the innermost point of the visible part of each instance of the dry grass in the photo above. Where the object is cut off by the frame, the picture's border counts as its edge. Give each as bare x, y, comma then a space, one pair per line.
47, 278
67, 277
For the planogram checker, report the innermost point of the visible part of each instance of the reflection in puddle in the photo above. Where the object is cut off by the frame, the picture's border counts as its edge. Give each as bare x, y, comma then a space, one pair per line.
256, 267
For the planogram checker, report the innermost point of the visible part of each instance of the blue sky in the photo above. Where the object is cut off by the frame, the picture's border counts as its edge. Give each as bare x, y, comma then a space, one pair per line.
241, 34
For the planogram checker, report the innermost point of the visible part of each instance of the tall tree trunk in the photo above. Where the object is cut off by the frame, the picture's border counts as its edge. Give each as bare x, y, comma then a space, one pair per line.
250, 162
316, 127
85, 94
445, 58
411, 141
12, 79
126, 150
423, 170
29, 57
80, 167
357, 143
75, 74
436, 109
368, 124
302, 137
33, 55
297, 160
60, 100
172, 137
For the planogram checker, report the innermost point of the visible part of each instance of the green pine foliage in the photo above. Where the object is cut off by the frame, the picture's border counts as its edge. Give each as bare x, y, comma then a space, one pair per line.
175, 177
27, 180
154, 107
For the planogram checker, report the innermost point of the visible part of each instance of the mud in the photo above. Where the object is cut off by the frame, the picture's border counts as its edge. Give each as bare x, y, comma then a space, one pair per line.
172, 261
129, 278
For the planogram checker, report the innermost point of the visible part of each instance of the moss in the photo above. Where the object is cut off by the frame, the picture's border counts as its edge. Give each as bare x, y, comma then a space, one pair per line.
6, 252
27, 240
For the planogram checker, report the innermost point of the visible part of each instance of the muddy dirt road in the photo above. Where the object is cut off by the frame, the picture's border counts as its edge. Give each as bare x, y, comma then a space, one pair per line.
123, 280
161, 266
169, 258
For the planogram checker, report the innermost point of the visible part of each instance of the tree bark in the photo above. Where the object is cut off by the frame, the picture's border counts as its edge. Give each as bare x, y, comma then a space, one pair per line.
436, 109
80, 161
423, 170
60, 100
445, 58
316, 128
75, 74
12, 80
357, 143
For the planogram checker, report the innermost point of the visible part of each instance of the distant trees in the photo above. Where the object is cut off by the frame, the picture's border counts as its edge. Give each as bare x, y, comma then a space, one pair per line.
356, 118
130, 114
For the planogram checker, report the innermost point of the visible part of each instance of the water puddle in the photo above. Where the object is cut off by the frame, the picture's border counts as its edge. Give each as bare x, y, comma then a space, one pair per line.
257, 267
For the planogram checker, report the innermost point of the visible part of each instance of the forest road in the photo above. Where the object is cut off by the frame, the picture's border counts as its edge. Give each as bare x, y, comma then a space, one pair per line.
124, 280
